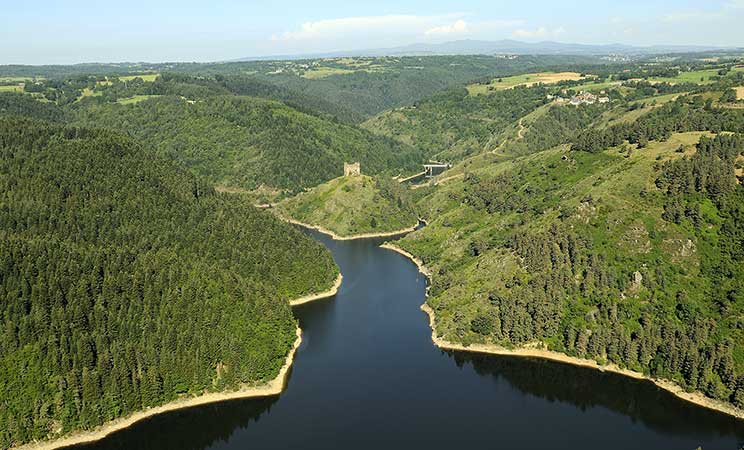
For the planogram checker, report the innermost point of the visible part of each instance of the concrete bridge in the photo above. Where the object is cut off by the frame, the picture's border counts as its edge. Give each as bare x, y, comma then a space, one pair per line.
431, 170
435, 168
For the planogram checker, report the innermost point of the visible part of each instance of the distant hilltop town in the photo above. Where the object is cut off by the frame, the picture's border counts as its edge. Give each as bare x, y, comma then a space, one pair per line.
582, 98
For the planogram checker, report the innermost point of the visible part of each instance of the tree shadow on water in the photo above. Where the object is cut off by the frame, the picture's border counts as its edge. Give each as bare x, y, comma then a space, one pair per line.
188, 429
586, 388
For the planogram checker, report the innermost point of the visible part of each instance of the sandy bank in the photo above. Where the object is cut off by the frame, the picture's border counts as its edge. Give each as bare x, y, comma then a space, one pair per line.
420, 264
273, 387
329, 293
348, 238
692, 397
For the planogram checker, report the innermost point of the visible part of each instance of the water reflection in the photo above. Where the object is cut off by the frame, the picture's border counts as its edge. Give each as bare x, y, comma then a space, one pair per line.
587, 388
188, 429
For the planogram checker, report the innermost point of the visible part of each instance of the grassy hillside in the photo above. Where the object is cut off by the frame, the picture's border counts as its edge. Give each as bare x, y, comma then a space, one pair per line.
127, 282
624, 247
454, 125
353, 205
245, 142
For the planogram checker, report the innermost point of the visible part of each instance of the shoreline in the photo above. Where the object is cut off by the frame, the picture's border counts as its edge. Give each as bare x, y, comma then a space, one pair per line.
321, 295
673, 388
353, 236
275, 386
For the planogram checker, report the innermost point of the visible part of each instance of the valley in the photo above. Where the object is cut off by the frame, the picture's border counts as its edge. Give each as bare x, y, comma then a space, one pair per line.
587, 211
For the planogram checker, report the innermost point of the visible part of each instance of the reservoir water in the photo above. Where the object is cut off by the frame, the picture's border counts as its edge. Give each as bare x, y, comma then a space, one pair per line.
368, 376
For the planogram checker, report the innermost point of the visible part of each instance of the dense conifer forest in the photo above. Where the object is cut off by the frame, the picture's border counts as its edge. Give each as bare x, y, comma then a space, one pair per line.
126, 282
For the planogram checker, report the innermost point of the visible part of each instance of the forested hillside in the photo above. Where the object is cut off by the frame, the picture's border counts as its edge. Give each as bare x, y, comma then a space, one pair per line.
354, 87
12, 104
453, 124
125, 282
354, 205
112, 89
624, 248
244, 142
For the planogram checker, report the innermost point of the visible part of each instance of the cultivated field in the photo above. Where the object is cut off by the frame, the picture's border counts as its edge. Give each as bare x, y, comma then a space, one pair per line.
529, 79
12, 88
740, 93
144, 76
322, 72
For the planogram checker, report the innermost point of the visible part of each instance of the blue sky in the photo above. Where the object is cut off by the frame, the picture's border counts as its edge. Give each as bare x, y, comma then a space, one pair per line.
48, 32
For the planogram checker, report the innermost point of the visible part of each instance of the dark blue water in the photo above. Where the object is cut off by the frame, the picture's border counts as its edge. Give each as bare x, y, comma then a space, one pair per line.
367, 376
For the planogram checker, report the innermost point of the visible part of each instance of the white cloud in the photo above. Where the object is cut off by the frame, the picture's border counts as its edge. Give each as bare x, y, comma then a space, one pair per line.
459, 27
330, 28
735, 4
538, 33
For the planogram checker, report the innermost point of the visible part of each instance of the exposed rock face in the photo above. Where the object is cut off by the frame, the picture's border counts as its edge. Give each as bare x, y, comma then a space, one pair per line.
637, 283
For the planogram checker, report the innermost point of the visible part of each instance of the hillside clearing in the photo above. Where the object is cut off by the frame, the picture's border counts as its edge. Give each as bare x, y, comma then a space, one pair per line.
12, 88
134, 100
147, 77
696, 76
322, 72
528, 80
353, 205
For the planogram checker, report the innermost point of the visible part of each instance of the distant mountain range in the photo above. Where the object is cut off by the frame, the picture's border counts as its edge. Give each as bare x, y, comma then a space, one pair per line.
506, 46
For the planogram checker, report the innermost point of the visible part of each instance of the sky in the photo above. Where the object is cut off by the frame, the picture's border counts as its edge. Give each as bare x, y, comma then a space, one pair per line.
74, 31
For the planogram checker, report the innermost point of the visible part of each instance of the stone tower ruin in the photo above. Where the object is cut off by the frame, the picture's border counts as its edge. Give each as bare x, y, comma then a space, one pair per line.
351, 169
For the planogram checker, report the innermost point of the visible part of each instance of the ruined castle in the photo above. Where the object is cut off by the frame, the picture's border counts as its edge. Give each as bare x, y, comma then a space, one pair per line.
351, 169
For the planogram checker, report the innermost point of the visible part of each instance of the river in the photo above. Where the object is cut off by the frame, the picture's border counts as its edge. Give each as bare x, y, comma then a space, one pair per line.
367, 376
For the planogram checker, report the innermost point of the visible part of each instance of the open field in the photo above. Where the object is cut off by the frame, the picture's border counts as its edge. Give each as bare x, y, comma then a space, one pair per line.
740, 93
135, 99
88, 92
15, 79
145, 77
529, 79
322, 72
697, 76
11, 88
596, 86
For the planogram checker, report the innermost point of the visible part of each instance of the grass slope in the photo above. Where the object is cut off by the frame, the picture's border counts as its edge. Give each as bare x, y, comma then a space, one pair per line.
572, 251
353, 205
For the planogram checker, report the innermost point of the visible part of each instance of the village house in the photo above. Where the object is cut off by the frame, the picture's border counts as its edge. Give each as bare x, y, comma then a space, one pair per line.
584, 98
